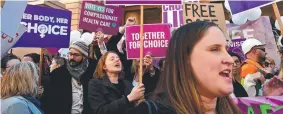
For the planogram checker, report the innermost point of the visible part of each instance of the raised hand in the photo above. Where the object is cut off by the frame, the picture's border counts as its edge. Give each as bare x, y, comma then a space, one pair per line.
274, 87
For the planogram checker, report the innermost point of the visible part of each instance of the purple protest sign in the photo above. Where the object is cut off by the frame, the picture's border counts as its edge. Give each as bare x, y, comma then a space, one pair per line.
260, 29
236, 47
142, 2
96, 16
280, 111
173, 14
238, 6
156, 40
260, 105
46, 27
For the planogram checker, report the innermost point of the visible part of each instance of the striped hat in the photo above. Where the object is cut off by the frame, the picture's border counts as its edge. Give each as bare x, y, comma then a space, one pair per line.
80, 46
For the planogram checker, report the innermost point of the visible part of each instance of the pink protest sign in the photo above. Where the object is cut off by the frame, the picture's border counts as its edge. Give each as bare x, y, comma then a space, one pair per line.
260, 105
96, 16
156, 40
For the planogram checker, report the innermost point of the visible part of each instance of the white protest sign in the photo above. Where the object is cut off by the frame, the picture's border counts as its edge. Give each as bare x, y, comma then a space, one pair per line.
8, 42
11, 16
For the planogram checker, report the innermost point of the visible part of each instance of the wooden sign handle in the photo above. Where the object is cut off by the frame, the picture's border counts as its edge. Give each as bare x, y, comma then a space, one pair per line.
278, 18
40, 66
141, 45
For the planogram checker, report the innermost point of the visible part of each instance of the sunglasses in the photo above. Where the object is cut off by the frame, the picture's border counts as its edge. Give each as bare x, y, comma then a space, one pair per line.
262, 49
267, 64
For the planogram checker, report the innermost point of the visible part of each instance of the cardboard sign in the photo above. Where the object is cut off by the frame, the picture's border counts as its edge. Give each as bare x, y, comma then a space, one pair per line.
11, 18
260, 29
46, 27
238, 6
173, 14
260, 105
156, 40
96, 16
204, 12
142, 2
8, 42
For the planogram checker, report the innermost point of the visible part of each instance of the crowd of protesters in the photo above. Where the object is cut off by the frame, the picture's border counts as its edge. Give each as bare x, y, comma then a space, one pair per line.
198, 76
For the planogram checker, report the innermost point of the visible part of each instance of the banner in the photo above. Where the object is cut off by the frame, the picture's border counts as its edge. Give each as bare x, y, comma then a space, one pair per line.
259, 29
8, 42
260, 105
204, 12
238, 6
96, 16
173, 14
46, 27
156, 40
142, 2
10, 18
236, 47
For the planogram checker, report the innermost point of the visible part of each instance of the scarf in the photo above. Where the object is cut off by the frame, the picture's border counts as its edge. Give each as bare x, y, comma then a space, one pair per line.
34, 101
77, 72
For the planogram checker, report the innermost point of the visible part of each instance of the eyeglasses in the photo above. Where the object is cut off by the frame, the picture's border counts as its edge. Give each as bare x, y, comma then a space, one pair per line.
262, 49
237, 62
74, 54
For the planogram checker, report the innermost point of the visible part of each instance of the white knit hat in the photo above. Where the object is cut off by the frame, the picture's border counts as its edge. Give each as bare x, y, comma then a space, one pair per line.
80, 46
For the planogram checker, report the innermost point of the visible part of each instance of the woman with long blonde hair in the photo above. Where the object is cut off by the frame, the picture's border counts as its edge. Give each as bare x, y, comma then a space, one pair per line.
197, 74
19, 88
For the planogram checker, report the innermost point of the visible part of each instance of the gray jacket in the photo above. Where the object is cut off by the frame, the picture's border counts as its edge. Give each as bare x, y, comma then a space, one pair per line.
18, 105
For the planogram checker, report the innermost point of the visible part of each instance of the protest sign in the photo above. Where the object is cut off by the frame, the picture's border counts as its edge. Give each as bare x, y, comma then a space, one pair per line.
259, 29
142, 2
238, 6
260, 105
173, 14
236, 46
46, 27
156, 40
10, 18
204, 12
96, 16
64, 52
8, 42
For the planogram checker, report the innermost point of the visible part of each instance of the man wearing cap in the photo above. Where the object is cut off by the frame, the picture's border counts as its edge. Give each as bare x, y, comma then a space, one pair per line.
68, 88
256, 55
251, 71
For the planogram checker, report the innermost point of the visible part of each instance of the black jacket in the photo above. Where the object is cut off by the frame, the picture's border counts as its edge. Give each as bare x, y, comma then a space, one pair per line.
155, 108
58, 98
239, 90
104, 98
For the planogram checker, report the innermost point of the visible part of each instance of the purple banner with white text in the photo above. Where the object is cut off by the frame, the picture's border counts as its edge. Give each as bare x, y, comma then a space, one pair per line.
173, 14
46, 27
99, 17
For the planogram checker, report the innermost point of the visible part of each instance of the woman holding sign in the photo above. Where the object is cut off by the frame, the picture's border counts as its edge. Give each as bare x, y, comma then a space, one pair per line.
109, 93
197, 74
